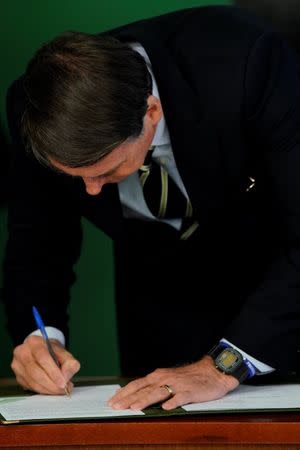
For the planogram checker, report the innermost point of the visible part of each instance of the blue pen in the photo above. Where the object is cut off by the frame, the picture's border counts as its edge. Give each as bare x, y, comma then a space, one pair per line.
41, 327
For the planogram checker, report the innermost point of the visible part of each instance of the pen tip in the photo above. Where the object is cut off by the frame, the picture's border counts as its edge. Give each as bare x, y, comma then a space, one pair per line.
67, 392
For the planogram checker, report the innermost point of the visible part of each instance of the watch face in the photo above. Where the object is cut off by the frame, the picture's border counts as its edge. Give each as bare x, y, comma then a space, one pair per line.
229, 360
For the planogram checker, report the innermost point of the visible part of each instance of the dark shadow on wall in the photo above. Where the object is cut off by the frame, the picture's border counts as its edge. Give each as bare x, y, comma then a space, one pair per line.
283, 15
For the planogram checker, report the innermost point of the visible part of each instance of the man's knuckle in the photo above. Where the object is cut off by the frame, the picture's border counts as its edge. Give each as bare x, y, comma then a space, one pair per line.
75, 368
14, 366
32, 340
18, 351
149, 378
158, 372
75, 365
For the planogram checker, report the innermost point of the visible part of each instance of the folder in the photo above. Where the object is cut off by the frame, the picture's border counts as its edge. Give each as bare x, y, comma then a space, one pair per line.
88, 402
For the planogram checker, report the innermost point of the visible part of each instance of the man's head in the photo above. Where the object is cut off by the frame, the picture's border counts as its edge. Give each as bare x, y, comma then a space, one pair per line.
88, 99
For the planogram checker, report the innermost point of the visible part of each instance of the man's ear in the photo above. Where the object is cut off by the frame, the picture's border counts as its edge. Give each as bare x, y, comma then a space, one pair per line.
154, 111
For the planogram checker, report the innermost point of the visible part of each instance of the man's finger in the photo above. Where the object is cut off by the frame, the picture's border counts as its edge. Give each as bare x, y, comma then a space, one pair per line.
26, 374
130, 388
35, 349
39, 379
150, 396
44, 360
179, 399
69, 368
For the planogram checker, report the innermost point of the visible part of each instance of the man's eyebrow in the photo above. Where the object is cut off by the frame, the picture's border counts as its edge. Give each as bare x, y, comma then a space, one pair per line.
109, 172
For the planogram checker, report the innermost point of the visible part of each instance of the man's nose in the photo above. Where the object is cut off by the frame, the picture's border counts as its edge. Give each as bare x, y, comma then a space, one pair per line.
93, 186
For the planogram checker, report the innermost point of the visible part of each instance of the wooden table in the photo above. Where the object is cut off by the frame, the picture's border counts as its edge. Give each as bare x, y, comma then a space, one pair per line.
244, 431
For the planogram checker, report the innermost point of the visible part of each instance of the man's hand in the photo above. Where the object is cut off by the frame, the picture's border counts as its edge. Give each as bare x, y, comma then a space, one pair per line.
193, 383
35, 369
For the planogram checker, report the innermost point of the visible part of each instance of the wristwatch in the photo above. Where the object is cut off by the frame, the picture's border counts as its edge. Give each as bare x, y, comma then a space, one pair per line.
231, 362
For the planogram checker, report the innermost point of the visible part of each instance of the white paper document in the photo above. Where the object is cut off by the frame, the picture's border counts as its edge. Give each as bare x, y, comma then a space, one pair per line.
268, 397
10, 399
85, 402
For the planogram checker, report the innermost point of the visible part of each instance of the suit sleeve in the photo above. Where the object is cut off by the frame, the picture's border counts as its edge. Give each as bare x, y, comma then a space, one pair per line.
268, 326
44, 236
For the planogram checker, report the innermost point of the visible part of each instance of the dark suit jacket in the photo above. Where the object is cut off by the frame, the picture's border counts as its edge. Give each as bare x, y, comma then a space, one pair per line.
4, 168
230, 92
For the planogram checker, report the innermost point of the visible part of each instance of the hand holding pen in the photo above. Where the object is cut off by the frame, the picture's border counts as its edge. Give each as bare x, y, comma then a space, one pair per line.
41, 326
39, 370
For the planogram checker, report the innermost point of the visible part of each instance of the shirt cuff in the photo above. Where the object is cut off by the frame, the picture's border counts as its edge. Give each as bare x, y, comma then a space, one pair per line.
261, 368
53, 333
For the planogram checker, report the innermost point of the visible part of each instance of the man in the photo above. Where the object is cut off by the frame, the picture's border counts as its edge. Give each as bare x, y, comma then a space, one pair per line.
210, 293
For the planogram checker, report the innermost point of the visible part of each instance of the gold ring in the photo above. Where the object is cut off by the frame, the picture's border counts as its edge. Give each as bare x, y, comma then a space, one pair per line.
168, 389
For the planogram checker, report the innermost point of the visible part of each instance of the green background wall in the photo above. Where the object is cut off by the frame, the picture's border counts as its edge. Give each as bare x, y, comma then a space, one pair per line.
24, 26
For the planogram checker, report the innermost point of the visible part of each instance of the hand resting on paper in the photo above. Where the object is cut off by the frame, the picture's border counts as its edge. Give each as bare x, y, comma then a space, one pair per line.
174, 387
35, 369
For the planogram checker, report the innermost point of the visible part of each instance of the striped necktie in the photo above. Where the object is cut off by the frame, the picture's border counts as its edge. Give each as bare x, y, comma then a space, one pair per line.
162, 195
